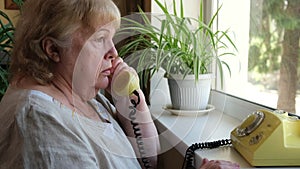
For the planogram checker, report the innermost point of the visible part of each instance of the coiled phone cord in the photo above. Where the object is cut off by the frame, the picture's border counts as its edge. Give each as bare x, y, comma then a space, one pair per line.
137, 131
190, 152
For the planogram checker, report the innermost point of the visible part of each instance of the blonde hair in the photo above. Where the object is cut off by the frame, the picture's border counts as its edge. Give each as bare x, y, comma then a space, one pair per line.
57, 19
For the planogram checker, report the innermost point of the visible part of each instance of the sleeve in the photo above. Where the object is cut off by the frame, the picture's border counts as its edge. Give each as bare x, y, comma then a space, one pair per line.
49, 144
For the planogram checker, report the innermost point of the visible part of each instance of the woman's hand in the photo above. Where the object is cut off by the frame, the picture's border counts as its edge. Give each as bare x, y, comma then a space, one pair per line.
133, 114
118, 88
115, 64
121, 76
218, 164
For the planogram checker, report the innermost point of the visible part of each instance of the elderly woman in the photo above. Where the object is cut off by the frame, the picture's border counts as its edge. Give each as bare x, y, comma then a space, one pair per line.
52, 115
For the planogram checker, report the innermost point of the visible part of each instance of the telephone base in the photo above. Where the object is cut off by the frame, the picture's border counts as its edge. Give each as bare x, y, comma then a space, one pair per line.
275, 162
269, 139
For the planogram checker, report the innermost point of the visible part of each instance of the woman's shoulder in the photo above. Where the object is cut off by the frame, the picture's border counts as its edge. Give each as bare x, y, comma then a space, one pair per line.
23, 97
15, 99
22, 103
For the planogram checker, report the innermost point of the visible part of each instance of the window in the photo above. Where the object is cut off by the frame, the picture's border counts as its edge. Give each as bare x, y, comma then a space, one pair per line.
266, 33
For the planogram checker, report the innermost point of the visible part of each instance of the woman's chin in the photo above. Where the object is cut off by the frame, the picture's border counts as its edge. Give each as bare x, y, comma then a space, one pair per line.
103, 84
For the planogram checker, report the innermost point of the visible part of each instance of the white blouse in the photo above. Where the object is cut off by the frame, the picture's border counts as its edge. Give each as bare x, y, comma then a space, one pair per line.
37, 131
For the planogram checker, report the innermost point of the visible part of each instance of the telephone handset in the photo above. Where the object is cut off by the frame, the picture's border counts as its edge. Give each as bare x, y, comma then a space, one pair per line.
264, 138
125, 84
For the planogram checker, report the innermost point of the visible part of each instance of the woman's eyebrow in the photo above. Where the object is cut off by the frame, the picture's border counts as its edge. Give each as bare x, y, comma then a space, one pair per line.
102, 30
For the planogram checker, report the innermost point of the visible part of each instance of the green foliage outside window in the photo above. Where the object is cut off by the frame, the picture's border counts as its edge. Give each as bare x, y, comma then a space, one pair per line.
274, 48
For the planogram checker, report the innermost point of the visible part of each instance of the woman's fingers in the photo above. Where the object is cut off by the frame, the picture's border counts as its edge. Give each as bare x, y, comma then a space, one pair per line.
120, 79
218, 164
122, 66
115, 63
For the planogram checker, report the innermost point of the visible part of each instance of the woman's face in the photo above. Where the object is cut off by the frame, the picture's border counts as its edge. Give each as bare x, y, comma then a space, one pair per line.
93, 64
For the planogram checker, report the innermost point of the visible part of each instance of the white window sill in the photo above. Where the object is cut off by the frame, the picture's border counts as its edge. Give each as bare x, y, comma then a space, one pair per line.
182, 131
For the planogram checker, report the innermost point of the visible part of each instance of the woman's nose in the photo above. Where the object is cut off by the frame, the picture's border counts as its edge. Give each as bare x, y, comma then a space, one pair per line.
111, 54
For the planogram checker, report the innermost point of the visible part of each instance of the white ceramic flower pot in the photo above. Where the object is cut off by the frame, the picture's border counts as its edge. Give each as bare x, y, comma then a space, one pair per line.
188, 94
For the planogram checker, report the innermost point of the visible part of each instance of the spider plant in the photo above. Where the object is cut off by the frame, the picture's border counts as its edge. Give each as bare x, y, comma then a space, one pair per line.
6, 44
178, 44
7, 30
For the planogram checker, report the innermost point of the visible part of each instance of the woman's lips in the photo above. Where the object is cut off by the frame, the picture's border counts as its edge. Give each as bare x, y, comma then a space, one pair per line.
106, 72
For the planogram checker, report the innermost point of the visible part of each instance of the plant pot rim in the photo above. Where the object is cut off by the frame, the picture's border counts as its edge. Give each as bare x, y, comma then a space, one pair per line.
189, 77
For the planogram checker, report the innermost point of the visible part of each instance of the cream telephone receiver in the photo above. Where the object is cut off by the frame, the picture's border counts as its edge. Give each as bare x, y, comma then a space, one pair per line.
125, 84
264, 138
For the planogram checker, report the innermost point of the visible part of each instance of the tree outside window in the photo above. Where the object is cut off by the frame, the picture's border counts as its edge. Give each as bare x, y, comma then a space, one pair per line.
272, 31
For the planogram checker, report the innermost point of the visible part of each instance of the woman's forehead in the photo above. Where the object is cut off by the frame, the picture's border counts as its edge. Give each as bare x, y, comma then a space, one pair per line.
106, 23
106, 27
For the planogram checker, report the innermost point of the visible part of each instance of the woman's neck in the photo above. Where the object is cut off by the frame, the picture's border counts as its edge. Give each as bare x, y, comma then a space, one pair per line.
61, 91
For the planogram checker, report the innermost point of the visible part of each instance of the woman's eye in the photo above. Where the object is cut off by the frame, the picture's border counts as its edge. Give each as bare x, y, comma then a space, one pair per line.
100, 40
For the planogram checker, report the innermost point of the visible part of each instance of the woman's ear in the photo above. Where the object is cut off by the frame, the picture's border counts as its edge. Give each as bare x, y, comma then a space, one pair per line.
50, 48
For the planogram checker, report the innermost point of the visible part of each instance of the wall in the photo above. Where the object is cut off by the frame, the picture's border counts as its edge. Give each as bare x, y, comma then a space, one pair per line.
13, 14
191, 7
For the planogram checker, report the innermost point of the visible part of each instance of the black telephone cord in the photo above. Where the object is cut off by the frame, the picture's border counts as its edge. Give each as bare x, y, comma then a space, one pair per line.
190, 152
137, 131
